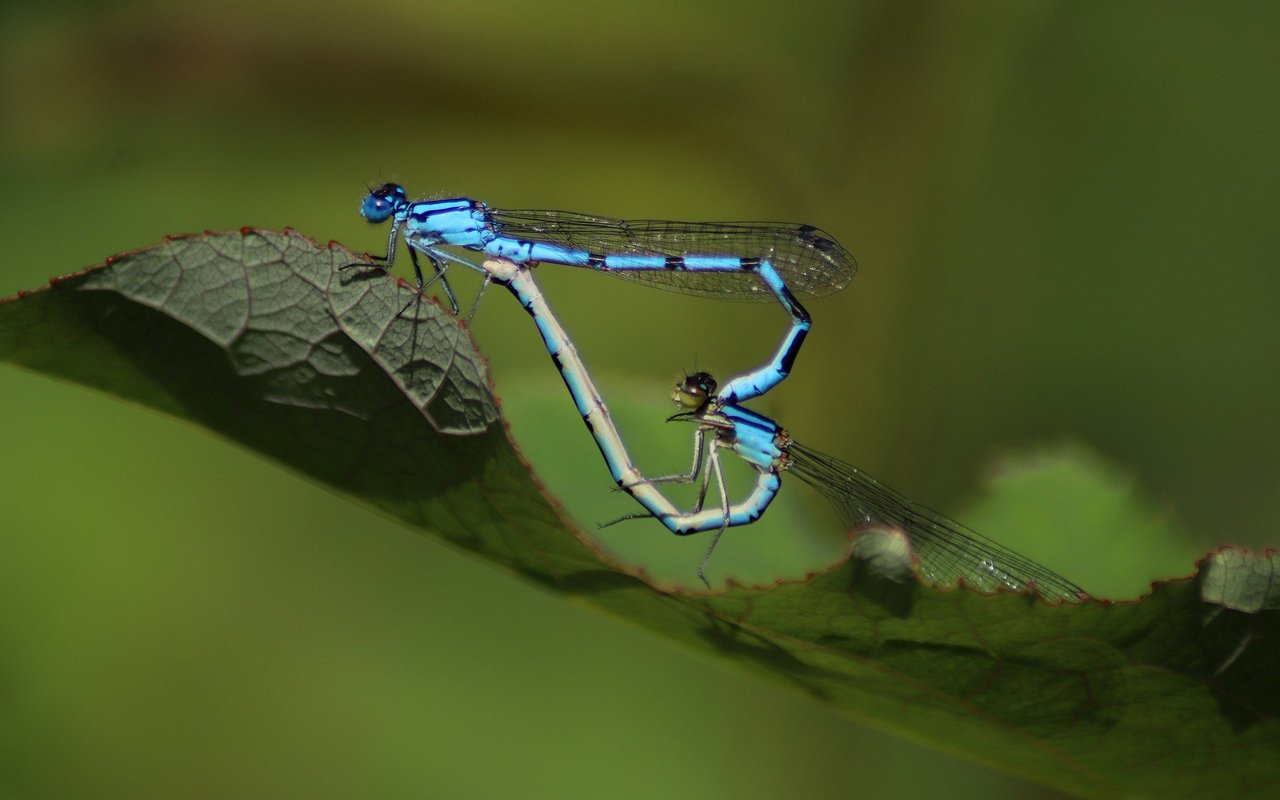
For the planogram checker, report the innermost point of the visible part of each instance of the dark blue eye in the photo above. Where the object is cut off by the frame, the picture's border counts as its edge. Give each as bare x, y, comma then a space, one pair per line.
382, 202
375, 208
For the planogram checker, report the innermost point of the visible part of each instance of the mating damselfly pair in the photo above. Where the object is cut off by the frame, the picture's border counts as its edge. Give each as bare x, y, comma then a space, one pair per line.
734, 260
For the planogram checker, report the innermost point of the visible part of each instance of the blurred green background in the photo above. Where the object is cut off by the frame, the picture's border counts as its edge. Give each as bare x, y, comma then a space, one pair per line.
1065, 217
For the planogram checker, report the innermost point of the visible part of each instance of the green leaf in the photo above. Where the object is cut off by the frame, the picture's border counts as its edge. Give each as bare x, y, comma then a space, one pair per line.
260, 337
1242, 582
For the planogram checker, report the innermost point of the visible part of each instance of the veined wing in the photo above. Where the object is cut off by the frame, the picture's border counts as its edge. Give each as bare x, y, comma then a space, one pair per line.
810, 261
947, 552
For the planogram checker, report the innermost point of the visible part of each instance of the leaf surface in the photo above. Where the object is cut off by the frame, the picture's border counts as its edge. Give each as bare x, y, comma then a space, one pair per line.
260, 337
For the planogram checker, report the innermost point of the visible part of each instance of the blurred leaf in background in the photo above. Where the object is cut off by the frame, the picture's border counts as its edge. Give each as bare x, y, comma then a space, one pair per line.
1063, 214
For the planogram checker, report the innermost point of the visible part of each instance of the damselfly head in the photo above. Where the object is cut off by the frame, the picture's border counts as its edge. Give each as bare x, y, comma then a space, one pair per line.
694, 391
381, 203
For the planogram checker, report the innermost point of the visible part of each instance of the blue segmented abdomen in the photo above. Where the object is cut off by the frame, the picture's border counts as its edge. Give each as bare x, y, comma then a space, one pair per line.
715, 259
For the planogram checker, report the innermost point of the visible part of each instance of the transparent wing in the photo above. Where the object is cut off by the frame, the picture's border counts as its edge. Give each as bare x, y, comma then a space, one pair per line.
947, 552
809, 260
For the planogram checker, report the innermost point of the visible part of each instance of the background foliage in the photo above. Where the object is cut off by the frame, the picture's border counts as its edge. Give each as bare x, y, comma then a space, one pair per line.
1061, 213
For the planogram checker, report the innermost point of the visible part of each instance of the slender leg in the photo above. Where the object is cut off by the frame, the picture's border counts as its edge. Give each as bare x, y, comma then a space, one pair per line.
383, 263
724, 507
476, 303
706, 484
422, 287
699, 437
439, 276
